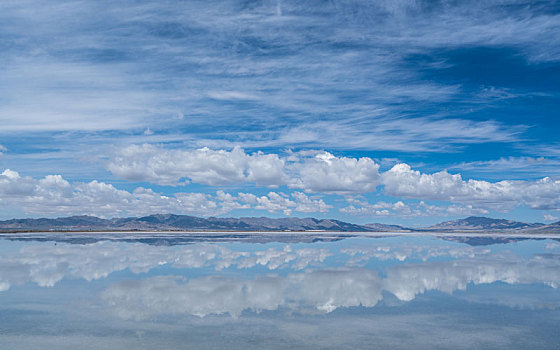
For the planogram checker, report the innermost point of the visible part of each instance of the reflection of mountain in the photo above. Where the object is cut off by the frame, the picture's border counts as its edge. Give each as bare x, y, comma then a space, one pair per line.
171, 239
478, 241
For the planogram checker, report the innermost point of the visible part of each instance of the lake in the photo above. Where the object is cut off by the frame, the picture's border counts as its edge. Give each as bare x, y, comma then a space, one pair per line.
278, 291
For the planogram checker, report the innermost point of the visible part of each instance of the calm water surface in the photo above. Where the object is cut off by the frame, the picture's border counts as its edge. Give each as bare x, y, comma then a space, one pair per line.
235, 291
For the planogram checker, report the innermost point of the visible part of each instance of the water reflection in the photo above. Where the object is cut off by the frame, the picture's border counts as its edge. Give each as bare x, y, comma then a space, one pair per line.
291, 288
323, 290
46, 264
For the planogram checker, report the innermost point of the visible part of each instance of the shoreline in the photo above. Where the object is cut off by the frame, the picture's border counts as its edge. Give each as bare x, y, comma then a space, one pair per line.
543, 235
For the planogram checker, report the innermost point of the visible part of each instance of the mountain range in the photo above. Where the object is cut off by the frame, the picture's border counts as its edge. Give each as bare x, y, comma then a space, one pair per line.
171, 222
483, 223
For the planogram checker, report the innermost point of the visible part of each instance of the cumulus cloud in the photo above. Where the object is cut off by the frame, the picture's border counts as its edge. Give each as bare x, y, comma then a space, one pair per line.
322, 172
326, 173
305, 204
274, 202
311, 171
403, 181
361, 207
55, 195
204, 166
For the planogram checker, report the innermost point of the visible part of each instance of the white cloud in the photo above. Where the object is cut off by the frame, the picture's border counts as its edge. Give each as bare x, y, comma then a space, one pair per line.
204, 166
304, 204
549, 217
401, 180
231, 95
363, 208
120, 79
322, 172
312, 172
46, 94
520, 167
422, 134
274, 202
329, 174
54, 195
3, 150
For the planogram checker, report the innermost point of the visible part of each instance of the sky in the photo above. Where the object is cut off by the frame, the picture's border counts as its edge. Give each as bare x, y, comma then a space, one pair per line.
407, 112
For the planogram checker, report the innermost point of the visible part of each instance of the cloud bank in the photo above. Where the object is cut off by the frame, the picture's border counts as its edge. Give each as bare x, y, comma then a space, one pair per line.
310, 171
54, 195
322, 172
313, 172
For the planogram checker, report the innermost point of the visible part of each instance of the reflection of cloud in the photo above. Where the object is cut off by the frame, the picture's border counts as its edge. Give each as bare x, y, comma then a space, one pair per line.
322, 290
273, 258
405, 251
406, 281
318, 290
47, 265
200, 297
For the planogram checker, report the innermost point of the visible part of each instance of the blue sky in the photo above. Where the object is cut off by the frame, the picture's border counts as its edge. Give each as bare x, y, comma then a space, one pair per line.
405, 112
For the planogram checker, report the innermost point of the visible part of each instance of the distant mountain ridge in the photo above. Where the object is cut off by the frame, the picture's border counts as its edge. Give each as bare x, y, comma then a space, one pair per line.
483, 223
173, 222
375, 227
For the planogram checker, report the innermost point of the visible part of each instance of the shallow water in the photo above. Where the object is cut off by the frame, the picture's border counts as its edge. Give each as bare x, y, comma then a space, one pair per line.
274, 291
